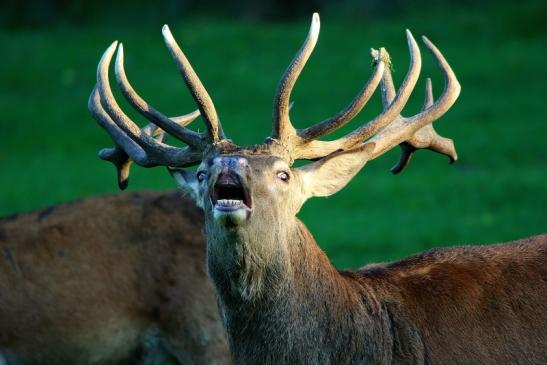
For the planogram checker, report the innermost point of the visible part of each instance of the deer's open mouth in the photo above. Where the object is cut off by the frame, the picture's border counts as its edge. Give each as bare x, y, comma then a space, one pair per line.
229, 194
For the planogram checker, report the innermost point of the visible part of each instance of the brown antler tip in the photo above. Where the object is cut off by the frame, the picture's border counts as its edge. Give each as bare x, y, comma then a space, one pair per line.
121, 161
428, 100
451, 152
446, 147
123, 176
407, 151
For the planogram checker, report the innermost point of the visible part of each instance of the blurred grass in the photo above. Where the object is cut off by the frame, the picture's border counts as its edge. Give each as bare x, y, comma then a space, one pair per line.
496, 192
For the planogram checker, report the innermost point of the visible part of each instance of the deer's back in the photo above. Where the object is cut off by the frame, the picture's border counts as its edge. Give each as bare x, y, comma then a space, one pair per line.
469, 305
86, 281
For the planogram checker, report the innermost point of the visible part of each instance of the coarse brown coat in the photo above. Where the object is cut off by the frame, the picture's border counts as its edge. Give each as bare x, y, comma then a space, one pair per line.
108, 280
461, 305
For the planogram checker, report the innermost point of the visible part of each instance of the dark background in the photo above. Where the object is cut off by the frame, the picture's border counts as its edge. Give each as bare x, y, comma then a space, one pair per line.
497, 191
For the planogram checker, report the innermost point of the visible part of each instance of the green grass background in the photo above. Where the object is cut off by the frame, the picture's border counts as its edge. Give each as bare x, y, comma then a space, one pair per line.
497, 191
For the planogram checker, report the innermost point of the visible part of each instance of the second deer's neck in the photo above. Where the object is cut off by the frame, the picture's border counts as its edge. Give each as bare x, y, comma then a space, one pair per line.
283, 302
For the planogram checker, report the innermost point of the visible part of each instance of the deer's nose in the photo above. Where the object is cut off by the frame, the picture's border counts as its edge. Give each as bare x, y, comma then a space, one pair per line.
231, 163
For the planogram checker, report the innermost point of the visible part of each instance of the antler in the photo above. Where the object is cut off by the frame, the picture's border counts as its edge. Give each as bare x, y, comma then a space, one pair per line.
145, 146
121, 160
417, 132
391, 128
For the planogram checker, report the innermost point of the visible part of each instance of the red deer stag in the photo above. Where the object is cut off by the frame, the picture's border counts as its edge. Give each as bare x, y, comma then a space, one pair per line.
109, 280
281, 300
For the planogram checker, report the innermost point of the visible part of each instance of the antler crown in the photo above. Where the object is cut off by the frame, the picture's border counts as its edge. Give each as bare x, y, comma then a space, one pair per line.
146, 146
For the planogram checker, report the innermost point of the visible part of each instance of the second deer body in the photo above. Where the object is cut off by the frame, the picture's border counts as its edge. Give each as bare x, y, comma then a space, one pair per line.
108, 280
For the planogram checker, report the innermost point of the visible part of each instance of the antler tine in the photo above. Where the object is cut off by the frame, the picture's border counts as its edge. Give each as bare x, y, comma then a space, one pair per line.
316, 149
417, 132
408, 148
428, 97
131, 148
122, 161
126, 133
329, 125
200, 95
387, 88
426, 137
185, 119
109, 103
449, 95
398, 103
175, 129
282, 127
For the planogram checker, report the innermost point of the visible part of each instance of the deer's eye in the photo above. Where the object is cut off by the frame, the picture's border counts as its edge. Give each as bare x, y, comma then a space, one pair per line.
283, 176
201, 175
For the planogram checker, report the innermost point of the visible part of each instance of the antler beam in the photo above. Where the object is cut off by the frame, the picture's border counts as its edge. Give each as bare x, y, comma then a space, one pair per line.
200, 95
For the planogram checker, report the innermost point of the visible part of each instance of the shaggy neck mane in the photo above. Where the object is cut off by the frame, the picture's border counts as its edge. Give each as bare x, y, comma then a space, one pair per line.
295, 300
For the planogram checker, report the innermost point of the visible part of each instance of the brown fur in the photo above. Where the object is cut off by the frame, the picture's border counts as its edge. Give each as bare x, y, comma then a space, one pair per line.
282, 301
472, 304
463, 305
108, 280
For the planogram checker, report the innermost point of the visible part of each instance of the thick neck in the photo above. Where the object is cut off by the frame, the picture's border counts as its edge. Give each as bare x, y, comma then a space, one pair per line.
302, 309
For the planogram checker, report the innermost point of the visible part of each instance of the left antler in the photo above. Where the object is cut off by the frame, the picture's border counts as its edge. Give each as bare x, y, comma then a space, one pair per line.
417, 132
386, 130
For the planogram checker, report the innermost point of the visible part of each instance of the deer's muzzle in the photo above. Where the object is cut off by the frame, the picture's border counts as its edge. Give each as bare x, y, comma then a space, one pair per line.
231, 199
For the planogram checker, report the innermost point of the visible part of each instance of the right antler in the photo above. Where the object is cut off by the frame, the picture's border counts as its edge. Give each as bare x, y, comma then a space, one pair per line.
122, 161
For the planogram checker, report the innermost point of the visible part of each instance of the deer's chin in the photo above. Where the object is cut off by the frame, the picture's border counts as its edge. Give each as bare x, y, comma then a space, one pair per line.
231, 212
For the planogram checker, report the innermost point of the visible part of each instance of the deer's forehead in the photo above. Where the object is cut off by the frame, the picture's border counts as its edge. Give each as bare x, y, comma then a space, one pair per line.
255, 162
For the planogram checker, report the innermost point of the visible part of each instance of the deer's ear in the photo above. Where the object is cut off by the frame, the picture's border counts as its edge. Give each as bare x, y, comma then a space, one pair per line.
188, 183
330, 174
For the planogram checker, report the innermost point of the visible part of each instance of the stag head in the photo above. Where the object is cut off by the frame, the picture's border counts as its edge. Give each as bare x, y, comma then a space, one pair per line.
255, 191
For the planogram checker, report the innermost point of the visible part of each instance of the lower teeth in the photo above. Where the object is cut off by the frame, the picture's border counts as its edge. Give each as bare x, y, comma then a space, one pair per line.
229, 202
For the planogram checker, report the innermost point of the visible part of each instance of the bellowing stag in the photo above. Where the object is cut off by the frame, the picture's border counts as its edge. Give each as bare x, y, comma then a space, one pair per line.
281, 300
